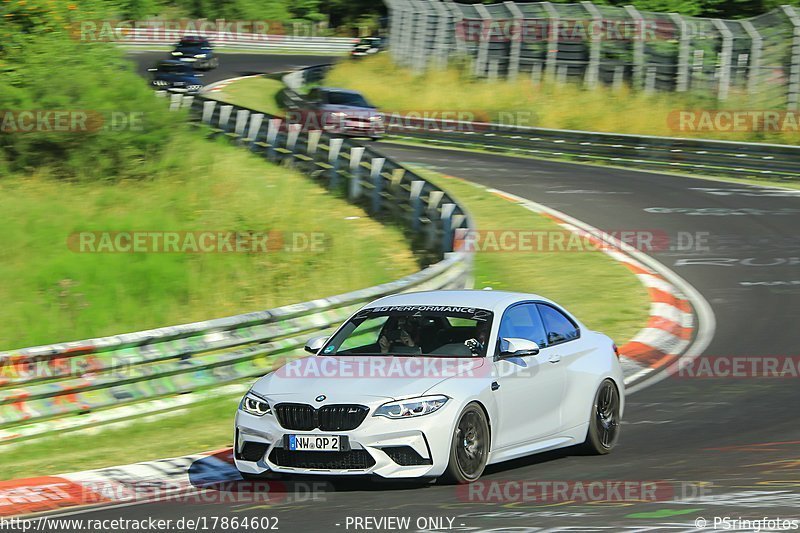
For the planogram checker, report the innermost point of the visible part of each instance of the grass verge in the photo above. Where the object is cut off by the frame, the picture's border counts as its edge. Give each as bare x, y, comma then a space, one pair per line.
546, 105
206, 425
256, 93
51, 293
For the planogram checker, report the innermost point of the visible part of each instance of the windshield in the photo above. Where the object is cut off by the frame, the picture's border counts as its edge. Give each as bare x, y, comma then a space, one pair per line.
436, 331
193, 43
351, 99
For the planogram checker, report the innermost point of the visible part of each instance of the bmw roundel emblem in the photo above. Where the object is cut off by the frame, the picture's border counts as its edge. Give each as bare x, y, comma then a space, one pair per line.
321, 398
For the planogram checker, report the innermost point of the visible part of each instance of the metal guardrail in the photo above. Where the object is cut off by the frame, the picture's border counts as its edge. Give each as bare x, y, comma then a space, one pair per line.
670, 154
41, 386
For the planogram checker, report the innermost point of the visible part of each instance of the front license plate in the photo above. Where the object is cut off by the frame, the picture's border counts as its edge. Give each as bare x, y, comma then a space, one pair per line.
315, 443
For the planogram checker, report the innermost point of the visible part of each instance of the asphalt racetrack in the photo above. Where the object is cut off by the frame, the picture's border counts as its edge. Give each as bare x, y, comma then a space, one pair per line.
718, 447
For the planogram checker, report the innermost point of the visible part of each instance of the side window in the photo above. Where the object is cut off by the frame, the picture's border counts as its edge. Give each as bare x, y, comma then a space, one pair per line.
313, 95
523, 322
559, 327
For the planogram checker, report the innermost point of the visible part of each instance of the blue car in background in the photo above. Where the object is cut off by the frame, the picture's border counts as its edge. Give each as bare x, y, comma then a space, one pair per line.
197, 51
176, 76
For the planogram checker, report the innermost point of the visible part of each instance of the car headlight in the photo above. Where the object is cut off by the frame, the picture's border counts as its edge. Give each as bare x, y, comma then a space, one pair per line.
338, 114
254, 404
177, 53
411, 407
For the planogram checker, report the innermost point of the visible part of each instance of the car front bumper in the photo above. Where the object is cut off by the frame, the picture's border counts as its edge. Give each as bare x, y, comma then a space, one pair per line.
428, 436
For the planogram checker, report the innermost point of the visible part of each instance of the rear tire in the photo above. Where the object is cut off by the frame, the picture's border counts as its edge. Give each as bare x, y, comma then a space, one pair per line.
469, 446
604, 421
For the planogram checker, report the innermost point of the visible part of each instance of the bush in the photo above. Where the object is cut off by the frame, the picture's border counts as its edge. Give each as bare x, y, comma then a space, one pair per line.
43, 68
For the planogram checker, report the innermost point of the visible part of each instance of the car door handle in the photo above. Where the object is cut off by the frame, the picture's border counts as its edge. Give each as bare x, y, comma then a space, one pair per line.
555, 358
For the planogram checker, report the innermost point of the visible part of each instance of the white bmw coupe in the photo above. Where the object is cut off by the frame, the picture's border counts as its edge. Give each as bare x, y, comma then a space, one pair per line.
431, 384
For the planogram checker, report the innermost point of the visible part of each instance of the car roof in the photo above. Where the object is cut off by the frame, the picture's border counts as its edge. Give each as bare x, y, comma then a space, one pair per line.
193, 39
481, 299
338, 90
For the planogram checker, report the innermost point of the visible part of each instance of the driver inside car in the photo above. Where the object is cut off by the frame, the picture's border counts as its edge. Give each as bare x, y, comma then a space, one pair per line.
400, 335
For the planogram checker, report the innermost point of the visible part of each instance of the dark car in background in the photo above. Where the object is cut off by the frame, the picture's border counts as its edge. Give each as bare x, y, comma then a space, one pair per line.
368, 46
175, 76
342, 111
197, 51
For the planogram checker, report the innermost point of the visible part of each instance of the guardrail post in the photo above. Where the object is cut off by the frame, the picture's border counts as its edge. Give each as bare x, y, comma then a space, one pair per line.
256, 119
441, 48
434, 197
447, 239
794, 70
354, 190
291, 137
241, 121
481, 63
516, 40
756, 45
638, 48
175, 101
376, 167
273, 126
313, 142
420, 52
593, 68
416, 203
187, 101
551, 57
224, 117
650, 79
208, 111
682, 81
724, 79
334, 148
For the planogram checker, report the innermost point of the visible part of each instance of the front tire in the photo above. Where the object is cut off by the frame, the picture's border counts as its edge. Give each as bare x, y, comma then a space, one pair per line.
469, 447
604, 422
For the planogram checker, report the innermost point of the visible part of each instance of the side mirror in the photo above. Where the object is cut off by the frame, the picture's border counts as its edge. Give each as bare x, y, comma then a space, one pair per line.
315, 344
512, 347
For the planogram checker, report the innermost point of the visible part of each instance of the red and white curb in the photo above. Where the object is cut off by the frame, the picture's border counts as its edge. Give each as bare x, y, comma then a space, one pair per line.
200, 478
681, 322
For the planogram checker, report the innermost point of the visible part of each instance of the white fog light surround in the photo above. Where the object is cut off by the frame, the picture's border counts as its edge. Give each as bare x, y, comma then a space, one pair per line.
411, 407
255, 405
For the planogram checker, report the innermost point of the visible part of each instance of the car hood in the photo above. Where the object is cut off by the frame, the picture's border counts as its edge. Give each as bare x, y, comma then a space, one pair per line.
351, 111
358, 379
